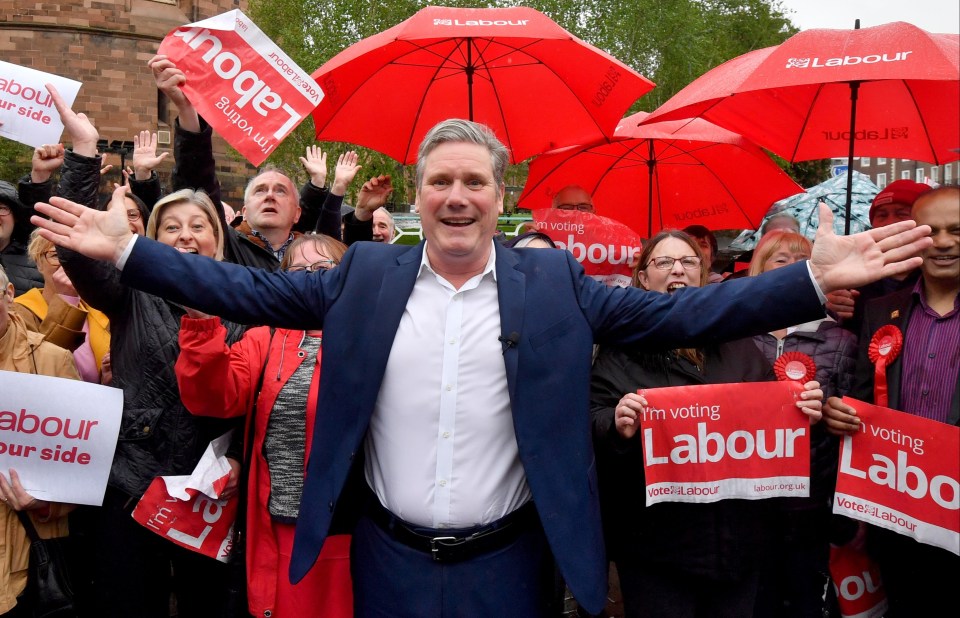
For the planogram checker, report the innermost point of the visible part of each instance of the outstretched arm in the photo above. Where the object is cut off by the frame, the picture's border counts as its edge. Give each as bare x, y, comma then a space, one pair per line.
840, 262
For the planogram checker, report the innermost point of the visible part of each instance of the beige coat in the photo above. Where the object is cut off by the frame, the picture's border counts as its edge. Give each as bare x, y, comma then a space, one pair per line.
25, 351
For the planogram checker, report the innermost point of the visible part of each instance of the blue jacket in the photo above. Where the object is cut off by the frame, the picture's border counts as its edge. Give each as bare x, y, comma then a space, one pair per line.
544, 296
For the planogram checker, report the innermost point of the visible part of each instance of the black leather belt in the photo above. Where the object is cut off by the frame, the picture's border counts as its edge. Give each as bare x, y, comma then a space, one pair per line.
455, 545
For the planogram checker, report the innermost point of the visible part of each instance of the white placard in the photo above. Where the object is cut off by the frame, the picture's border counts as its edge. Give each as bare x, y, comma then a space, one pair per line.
59, 435
26, 108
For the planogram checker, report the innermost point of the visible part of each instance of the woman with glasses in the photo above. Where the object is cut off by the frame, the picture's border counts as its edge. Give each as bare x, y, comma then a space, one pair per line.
675, 559
58, 312
273, 376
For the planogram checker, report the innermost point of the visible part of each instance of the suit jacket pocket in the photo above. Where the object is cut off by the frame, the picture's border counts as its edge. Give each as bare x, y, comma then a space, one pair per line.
551, 332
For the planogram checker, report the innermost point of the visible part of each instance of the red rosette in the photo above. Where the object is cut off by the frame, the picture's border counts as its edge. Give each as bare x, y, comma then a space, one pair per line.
796, 367
884, 348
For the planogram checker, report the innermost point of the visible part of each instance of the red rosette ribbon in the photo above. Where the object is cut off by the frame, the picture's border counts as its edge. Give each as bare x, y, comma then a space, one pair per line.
885, 346
795, 366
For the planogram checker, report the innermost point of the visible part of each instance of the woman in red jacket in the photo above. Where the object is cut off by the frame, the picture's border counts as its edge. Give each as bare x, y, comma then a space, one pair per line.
217, 380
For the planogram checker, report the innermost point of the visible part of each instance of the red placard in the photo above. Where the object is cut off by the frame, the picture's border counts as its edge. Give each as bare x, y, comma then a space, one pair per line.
607, 249
901, 472
856, 580
201, 524
711, 442
241, 82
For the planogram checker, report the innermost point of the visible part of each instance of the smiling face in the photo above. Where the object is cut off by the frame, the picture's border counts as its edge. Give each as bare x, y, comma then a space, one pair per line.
459, 202
940, 209
675, 277
271, 203
186, 227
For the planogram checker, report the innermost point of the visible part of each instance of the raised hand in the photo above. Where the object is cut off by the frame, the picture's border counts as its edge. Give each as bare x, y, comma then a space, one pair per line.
46, 160
101, 235
77, 126
344, 173
170, 80
373, 195
315, 162
840, 262
145, 158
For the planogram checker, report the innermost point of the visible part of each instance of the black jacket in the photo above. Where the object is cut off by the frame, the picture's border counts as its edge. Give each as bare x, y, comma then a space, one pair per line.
20, 269
158, 435
723, 540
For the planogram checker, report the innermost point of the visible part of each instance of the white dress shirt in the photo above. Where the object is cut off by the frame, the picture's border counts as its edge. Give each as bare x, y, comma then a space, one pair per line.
441, 450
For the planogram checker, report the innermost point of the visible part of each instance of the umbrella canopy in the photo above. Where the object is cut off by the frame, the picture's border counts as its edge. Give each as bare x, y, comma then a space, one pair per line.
890, 90
665, 175
803, 208
534, 84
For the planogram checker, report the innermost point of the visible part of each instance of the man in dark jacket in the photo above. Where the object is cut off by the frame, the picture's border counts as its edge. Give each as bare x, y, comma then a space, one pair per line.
14, 230
923, 380
273, 215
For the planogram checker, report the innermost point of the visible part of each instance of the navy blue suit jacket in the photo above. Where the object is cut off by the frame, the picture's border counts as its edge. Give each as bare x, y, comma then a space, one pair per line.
544, 297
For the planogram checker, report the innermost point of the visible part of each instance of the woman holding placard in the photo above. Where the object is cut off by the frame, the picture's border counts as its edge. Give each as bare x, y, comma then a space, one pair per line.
675, 559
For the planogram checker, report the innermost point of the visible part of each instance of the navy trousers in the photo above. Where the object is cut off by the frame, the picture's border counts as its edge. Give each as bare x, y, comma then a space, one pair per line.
393, 580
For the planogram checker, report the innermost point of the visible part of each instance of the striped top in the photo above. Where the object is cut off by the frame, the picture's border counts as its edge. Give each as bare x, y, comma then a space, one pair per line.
931, 358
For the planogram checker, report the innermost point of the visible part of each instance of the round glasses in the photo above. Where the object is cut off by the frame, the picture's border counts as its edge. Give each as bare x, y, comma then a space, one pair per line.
4, 210
689, 262
133, 215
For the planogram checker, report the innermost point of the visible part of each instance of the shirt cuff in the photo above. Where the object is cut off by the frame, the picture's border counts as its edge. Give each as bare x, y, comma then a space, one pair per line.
816, 286
126, 254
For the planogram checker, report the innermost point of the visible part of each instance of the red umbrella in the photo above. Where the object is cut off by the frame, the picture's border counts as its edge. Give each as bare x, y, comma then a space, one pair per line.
665, 175
890, 90
535, 84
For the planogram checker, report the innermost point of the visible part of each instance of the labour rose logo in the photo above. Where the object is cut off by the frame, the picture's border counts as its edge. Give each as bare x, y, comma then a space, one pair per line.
898, 132
798, 63
442, 22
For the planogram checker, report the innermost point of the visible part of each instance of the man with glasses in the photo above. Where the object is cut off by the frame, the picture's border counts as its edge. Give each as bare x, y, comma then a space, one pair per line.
573, 197
14, 230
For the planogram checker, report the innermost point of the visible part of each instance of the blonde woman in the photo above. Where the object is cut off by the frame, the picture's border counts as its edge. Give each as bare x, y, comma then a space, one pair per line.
793, 584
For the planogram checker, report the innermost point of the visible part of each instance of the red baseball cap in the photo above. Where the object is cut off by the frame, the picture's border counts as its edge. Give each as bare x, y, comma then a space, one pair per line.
899, 192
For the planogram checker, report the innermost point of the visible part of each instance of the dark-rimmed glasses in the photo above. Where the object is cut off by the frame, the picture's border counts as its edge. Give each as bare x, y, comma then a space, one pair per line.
689, 262
312, 268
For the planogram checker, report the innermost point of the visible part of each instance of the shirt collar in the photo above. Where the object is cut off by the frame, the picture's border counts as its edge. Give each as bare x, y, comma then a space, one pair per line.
489, 268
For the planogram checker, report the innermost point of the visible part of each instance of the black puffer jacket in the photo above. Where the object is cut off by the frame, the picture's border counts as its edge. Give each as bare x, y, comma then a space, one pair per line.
158, 435
834, 352
20, 269
722, 540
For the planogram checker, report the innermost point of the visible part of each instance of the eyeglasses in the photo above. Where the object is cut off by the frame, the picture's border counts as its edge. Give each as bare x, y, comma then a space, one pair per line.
689, 262
133, 215
52, 257
312, 268
4, 210
582, 207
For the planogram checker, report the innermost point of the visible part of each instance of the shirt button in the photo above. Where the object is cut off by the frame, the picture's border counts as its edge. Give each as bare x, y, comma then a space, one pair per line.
446, 434
933, 354
443, 483
453, 340
925, 392
449, 387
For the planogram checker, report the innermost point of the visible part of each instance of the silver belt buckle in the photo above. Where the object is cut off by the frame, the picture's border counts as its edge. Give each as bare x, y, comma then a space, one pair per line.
435, 548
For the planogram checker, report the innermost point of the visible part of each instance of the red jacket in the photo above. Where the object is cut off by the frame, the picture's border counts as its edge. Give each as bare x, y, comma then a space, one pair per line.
217, 380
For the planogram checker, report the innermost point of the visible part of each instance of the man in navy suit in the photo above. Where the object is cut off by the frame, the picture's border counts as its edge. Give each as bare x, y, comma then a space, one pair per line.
457, 372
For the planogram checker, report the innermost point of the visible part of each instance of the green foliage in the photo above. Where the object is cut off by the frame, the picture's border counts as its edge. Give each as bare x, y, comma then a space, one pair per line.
672, 42
14, 160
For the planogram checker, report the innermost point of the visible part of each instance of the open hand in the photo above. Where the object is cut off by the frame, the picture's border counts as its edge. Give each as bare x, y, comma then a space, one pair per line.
101, 235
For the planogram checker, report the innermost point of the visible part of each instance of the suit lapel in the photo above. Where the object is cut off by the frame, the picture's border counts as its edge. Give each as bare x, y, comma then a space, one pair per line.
396, 285
511, 293
899, 316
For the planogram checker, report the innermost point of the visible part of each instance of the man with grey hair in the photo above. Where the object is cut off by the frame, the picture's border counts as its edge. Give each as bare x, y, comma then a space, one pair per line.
573, 197
469, 420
